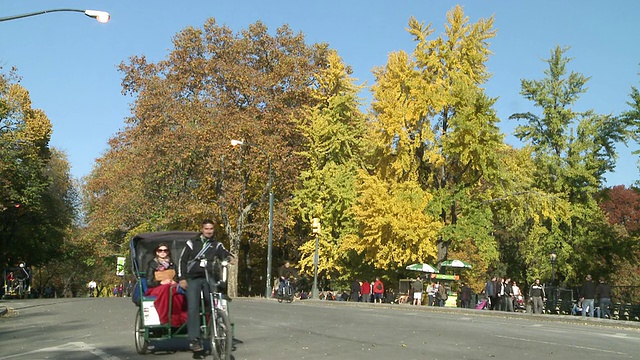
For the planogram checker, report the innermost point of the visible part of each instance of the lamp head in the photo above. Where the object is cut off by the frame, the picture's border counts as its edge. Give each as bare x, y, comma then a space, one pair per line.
553, 256
101, 16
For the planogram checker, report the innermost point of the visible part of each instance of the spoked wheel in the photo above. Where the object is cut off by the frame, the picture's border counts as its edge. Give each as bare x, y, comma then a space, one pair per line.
222, 342
141, 343
280, 296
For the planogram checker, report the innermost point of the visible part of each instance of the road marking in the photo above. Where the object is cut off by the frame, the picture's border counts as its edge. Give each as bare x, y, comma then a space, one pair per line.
560, 344
619, 336
68, 347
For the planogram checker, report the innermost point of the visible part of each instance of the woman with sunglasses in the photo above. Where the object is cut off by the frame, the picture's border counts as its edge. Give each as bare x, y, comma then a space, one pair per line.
161, 271
161, 281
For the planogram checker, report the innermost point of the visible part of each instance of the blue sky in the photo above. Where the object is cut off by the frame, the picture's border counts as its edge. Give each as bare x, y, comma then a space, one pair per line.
68, 62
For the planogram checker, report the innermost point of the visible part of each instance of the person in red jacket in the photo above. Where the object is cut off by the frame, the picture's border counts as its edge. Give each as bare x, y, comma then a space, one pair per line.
378, 291
365, 290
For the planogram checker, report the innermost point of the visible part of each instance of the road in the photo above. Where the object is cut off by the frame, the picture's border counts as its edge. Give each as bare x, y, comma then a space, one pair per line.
102, 328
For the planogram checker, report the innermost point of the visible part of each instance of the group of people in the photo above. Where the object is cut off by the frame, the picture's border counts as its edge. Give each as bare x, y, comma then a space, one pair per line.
588, 295
185, 280
365, 291
437, 293
505, 295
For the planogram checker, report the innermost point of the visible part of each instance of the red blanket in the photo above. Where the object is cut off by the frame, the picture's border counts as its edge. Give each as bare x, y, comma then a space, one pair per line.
161, 303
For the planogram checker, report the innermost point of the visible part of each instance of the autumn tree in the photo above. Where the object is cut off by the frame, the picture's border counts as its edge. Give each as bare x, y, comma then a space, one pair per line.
572, 151
333, 130
434, 143
36, 196
173, 165
622, 207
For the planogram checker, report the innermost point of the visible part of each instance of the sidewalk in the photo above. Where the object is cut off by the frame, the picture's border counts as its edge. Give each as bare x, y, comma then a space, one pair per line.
635, 325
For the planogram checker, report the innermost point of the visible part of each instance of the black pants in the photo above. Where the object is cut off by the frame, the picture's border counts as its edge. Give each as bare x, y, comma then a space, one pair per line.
194, 289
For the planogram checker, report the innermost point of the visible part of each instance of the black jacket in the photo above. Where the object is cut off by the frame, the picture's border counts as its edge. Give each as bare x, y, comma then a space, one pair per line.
287, 272
151, 272
191, 250
603, 290
589, 290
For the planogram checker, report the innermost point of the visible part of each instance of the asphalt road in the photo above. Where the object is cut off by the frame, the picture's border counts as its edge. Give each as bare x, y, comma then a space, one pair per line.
102, 328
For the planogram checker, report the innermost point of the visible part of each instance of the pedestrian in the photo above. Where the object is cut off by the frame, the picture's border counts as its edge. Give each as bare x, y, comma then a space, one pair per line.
378, 291
500, 294
588, 295
442, 294
518, 299
355, 290
365, 289
490, 292
465, 296
508, 295
92, 288
194, 257
416, 288
537, 296
431, 293
603, 293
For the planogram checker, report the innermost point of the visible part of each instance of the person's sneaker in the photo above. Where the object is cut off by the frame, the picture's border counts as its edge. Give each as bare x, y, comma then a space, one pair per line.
195, 345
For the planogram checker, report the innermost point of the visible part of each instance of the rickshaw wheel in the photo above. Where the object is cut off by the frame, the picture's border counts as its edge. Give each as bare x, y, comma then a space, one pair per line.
221, 346
141, 344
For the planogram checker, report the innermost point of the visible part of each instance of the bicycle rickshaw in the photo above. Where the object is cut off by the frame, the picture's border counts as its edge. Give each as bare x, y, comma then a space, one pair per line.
17, 282
149, 332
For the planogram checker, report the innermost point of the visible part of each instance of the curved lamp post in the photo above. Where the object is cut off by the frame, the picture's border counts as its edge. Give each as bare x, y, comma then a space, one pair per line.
101, 16
554, 293
553, 257
268, 289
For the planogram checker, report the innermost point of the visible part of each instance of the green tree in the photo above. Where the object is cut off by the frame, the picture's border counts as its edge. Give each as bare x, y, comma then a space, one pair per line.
36, 196
631, 119
572, 151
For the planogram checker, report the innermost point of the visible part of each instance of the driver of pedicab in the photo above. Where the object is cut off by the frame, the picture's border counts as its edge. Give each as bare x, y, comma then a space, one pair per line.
286, 272
191, 275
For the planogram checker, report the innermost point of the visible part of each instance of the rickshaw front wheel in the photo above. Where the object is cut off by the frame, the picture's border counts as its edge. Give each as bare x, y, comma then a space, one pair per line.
142, 344
222, 343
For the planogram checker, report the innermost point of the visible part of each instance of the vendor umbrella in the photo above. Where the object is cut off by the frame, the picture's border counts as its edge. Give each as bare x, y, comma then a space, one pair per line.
422, 267
456, 264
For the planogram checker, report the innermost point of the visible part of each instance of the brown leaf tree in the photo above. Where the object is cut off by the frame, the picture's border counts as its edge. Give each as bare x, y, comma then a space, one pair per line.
174, 165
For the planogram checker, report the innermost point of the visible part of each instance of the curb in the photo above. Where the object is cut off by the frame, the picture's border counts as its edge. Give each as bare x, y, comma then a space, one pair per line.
3, 310
569, 319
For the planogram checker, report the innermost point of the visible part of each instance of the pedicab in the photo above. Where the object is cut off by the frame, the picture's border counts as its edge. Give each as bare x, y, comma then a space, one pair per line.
151, 333
17, 282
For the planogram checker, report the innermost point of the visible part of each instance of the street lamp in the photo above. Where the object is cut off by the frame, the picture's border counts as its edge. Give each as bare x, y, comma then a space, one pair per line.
268, 288
315, 229
553, 257
101, 16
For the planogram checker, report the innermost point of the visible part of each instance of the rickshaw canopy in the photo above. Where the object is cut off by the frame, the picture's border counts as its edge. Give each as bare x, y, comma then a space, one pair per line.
143, 246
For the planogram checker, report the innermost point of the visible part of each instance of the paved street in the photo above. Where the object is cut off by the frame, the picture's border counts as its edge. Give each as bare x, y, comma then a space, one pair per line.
102, 328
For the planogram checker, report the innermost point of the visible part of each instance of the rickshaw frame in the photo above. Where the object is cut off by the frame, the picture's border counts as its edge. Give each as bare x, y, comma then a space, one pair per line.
148, 336
142, 251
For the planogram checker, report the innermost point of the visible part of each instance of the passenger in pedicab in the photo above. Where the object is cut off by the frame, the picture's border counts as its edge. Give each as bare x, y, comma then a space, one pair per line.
161, 283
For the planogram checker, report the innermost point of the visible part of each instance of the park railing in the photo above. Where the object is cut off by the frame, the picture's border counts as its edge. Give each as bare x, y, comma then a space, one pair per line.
625, 301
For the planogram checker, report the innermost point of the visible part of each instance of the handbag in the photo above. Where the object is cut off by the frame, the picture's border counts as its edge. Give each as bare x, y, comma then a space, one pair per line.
168, 274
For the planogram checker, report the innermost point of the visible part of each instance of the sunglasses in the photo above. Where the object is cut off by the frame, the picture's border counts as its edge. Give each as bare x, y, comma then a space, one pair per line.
162, 250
